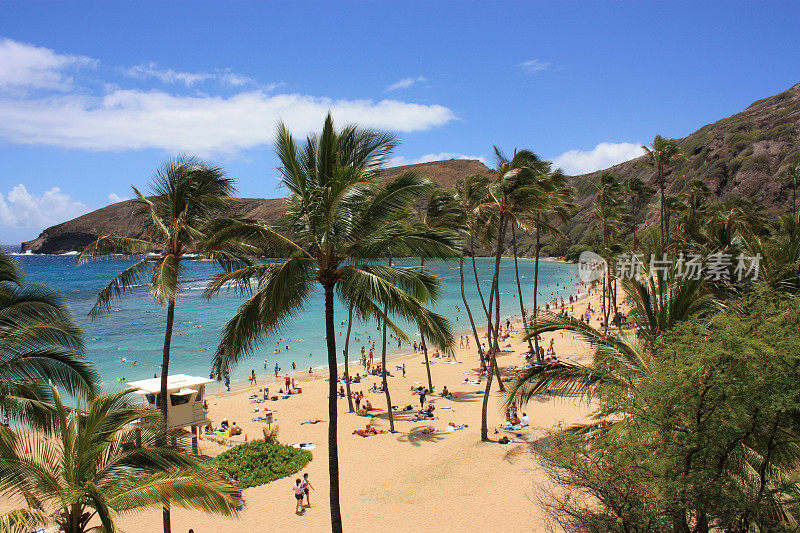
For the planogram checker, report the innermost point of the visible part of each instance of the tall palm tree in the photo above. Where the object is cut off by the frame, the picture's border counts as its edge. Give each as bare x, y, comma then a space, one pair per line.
108, 459
514, 193
791, 174
607, 212
39, 342
470, 193
662, 153
440, 213
639, 194
338, 222
556, 204
188, 197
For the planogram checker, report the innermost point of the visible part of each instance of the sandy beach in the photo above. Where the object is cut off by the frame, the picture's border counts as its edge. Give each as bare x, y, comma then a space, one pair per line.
402, 481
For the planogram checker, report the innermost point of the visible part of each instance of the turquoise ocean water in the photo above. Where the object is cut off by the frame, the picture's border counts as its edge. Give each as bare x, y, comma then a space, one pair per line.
134, 329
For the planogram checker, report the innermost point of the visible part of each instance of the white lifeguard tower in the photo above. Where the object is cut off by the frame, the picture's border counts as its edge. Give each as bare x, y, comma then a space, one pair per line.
186, 394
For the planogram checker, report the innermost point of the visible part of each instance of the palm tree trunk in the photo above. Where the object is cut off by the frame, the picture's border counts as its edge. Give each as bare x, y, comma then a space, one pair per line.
424, 345
475, 272
346, 359
494, 345
516, 272
333, 447
536, 289
383, 370
469, 312
664, 234
490, 339
165, 513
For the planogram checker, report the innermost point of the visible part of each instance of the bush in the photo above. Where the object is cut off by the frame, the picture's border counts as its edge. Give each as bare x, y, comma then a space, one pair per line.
258, 462
575, 251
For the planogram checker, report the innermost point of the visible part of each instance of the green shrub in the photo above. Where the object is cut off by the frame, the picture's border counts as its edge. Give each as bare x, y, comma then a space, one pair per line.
756, 163
259, 462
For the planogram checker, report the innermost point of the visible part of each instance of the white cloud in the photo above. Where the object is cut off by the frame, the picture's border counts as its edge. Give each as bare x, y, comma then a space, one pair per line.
115, 198
150, 70
133, 119
534, 65
27, 66
601, 157
21, 209
405, 83
400, 160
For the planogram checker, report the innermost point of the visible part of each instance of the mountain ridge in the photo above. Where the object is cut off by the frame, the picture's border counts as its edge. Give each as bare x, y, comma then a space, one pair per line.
740, 155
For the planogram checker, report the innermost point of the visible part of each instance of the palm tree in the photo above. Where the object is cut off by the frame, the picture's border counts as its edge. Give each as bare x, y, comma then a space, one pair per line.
622, 359
662, 153
557, 204
187, 198
106, 460
607, 211
441, 213
639, 194
513, 194
336, 221
471, 193
792, 175
39, 342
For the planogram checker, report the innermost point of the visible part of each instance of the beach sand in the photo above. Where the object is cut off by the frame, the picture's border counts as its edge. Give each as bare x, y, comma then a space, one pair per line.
402, 481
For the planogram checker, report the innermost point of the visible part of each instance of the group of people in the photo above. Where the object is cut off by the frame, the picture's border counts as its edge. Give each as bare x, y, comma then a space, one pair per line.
224, 427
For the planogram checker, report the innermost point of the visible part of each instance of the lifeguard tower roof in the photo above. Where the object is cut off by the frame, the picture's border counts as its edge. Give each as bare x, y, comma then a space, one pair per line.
174, 382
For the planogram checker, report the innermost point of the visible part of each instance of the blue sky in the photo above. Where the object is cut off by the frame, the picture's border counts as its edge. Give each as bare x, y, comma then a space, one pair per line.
94, 96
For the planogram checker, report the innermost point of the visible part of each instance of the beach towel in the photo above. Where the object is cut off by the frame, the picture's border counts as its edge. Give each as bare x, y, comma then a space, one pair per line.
304, 446
317, 421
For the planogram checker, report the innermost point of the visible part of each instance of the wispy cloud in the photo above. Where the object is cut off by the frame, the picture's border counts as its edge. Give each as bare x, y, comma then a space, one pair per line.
603, 155
534, 65
21, 209
127, 119
150, 70
405, 83
400, 160
25, 66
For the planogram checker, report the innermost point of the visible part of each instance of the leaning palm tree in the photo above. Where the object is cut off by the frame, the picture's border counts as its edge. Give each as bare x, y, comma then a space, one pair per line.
39, 342
106, 460
662, 153
188, 197
337, 226
607, 211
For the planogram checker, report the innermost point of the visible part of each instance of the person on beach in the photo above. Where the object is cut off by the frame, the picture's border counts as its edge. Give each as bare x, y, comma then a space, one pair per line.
288, 381
307, 485
358, 401
253, 377
299, 491
422, 394
404, 370
277, 369
228, 381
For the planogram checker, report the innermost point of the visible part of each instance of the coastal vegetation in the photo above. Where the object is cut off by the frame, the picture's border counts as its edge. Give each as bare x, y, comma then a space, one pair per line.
258, 462
102, 460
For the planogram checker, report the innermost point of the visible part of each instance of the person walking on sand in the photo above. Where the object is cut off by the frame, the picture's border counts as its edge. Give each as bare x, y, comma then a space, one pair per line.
306, 486
228, 381
422, 394
298, 495
404, 370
